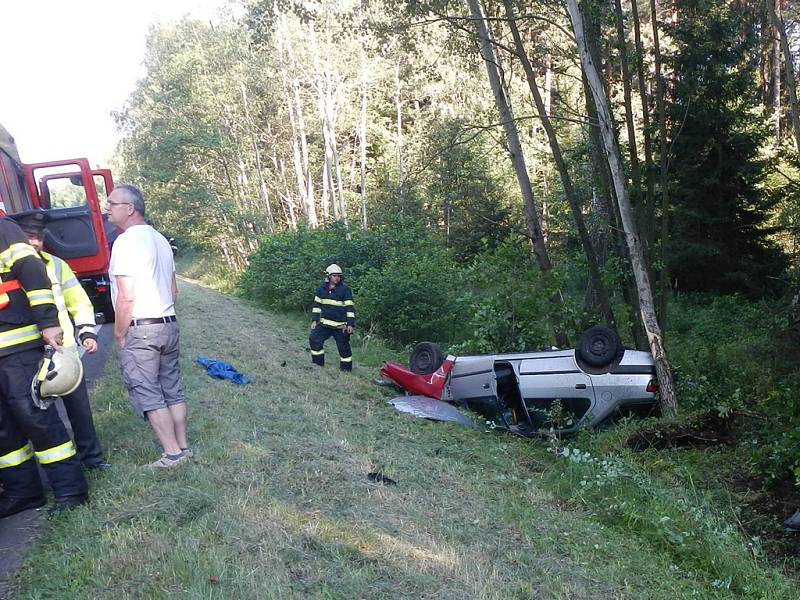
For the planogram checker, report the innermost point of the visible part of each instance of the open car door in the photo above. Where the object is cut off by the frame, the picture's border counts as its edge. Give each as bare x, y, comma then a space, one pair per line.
67, 190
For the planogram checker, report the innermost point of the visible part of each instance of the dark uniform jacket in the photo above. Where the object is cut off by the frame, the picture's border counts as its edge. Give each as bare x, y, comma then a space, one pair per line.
334, 308
26, 296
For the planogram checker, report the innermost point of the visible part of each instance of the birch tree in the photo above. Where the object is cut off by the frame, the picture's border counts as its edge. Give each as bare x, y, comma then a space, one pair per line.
512, 136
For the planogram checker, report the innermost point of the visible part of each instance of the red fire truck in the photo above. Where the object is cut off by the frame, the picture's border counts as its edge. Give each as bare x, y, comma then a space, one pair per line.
69, 191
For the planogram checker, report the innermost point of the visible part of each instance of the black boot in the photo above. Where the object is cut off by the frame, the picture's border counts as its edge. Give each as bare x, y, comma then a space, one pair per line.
67, 503
12, 506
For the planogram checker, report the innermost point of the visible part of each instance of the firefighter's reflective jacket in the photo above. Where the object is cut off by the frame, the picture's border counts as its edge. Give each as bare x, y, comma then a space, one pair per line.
334, 307
71, 300
27, 304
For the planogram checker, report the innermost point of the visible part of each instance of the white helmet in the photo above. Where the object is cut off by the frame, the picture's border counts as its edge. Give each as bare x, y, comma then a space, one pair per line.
334, 269
59, 374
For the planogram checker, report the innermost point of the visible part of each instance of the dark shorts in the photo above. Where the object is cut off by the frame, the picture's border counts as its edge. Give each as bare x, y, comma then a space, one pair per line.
150, 369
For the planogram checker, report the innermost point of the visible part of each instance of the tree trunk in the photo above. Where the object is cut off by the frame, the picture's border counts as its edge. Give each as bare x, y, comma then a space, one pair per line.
561, 165
776, 84
661, 91
324, 199
512, 137
669, 405
622, 47
264, 192
398, 102
603, 178
286, 197
362, 137
777, 17
331, 121
649, 212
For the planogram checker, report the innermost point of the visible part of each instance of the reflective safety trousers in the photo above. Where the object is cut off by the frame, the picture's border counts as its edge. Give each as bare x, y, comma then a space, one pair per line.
27, 432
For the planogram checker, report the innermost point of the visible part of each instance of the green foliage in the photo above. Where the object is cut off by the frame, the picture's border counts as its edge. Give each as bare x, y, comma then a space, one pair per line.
679, 521
410, 287
507, 302
403, 279
464, 197
720, 240
732, 355
412, 296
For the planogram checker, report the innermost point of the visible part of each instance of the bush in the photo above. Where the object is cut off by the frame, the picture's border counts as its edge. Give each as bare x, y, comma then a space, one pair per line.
413, 296
508, 304
402, 277
733, 354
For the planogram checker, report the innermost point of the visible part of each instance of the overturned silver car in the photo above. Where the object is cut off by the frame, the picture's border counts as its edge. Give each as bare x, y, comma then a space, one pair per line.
531, 393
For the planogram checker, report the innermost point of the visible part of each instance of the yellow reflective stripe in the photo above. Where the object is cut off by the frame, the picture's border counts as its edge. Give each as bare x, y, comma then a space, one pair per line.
17, 457
352, 315
15, 252
50, 260
348, 303
78, 305
44, 366
332, 302
20, 335
316, 309
317, 299
39, 297
317, 352
332, 323
71, 282
56, 453
347, 359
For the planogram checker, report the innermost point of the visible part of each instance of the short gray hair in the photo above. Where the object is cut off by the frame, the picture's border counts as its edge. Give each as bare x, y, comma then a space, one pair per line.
133, 195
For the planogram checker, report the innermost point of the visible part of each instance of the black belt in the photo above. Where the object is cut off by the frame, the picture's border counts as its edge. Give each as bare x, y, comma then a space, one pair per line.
169, 319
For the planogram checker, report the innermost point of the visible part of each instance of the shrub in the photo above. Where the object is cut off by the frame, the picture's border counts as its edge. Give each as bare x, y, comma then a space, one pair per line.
508, 304
402, 277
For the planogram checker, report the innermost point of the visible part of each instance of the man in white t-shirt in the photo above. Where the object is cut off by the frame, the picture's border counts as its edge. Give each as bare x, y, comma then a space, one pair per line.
143, 290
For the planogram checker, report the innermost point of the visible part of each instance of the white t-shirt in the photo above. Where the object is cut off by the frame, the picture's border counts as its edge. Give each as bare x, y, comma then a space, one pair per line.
144, 255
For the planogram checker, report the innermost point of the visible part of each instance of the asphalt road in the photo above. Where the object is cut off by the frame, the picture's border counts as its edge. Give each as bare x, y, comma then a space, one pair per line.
18, 533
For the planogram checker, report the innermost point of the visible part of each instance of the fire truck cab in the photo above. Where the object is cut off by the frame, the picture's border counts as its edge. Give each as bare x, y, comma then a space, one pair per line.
69, 192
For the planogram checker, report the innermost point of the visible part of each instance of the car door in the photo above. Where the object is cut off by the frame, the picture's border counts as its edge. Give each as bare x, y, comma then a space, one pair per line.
556, 392
66, 191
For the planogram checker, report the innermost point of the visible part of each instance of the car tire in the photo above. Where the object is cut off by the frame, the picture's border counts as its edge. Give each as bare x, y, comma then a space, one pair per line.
599, 346
425, 358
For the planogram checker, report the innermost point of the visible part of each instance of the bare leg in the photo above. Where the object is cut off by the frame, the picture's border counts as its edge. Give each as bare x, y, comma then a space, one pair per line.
179, 418
164, 427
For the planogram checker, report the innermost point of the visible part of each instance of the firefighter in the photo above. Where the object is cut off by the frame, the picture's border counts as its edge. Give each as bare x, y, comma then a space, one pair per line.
75, 311
333, 315
28, 320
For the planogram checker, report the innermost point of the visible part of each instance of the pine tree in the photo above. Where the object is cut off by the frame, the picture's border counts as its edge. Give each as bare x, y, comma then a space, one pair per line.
719, 241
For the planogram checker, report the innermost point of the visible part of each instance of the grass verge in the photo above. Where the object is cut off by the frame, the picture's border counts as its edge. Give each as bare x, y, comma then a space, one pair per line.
277, 502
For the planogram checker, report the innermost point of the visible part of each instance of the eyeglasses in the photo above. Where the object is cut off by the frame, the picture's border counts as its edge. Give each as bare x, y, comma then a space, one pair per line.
117, 203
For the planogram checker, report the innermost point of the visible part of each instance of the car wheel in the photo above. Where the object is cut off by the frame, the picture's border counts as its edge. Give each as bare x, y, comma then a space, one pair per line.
599, 346
425, 358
